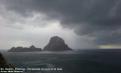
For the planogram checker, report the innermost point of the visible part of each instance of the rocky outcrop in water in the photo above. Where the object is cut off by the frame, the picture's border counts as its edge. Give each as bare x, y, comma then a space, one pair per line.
56, 44
24, 49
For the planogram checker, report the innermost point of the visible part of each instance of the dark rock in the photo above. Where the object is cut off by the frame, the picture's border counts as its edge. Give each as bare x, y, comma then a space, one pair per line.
56, 44
3, 63
2, 60
24, 49
32, 47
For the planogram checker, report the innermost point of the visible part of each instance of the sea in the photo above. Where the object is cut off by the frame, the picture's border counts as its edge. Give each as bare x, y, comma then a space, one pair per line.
79, 61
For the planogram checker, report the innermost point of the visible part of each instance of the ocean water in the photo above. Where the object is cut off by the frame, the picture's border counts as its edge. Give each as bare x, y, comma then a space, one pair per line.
81, 61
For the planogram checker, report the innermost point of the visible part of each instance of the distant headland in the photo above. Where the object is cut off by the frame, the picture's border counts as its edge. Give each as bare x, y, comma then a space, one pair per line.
55, 44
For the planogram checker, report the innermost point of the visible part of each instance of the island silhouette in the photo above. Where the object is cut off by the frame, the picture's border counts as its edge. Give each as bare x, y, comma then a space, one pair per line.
56, 43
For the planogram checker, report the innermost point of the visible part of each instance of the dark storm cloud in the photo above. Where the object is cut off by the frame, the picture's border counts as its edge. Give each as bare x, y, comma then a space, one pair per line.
97, 18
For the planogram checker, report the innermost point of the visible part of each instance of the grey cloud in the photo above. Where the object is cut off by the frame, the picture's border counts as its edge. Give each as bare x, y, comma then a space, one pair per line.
97, 18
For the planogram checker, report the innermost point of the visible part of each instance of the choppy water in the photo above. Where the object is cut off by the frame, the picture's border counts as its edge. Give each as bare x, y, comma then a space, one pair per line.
83, 61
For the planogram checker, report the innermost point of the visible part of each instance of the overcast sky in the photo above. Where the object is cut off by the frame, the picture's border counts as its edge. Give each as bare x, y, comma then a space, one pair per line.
81, 23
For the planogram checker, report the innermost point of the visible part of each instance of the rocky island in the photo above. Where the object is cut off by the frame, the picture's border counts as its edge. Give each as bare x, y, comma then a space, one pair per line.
56, 44
24, 49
